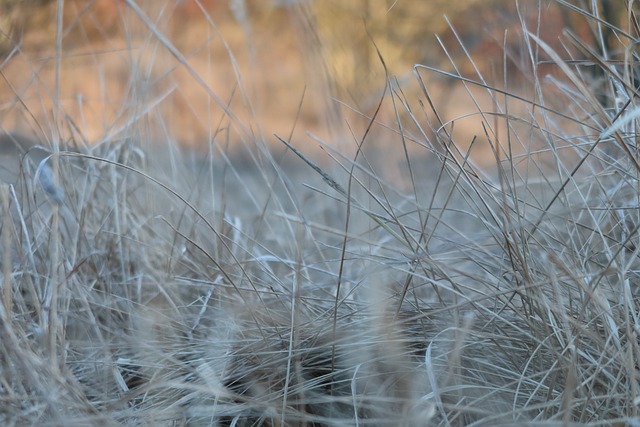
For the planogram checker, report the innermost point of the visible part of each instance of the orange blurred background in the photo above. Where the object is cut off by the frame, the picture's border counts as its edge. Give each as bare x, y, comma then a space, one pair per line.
237, 71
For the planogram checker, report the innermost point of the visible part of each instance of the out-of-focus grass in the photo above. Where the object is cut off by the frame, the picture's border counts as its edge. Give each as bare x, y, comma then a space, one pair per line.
145, 285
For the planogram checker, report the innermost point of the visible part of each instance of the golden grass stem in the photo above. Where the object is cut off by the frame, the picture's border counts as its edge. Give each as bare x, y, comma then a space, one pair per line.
7, 289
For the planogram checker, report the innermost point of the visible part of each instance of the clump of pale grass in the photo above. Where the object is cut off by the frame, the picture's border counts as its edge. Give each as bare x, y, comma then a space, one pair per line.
151, 296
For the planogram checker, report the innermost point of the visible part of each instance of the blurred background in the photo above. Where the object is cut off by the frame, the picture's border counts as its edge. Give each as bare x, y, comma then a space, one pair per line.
238, 71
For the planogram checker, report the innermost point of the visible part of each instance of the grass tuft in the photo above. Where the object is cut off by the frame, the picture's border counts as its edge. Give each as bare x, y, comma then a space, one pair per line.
493, 281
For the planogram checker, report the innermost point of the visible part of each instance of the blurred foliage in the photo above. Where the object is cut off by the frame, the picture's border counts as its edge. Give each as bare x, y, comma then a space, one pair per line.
282, 47
345, 35
342, 33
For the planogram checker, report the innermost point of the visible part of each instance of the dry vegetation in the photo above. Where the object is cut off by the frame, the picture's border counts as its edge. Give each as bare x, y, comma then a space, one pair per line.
142, 285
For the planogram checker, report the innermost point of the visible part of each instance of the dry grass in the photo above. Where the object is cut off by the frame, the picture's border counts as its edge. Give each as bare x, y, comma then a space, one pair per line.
146, 286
